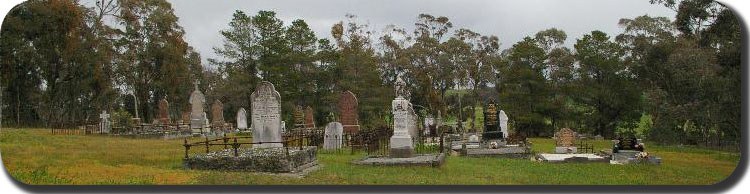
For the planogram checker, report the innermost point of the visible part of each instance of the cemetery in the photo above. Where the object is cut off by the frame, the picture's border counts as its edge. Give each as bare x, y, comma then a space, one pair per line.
115, 94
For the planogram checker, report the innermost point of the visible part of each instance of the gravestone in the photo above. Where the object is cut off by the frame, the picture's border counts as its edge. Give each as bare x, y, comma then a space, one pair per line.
197, 117
164, 112
473, 138
242, 119
492, 129
565, 141
503, 118
283, 127
266, 115
105, 125
217, 114
299, 117
348, 114
309, 120
333, 136
401, 144
185, 118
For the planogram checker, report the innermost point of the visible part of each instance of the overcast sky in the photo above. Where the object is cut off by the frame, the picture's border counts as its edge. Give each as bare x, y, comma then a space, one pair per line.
510, 20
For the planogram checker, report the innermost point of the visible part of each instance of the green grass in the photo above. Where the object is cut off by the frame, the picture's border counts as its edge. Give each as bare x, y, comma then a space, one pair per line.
36, 157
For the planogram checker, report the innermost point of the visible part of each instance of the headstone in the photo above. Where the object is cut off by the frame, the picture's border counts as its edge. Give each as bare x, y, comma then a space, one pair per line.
492, 129
473, 138
242, 119
299, 117
309, 120
197, 119
348, 114
217, 114
503, 118
105, 125
401, 145
164, 112
565, 141
266, 115
333, 136
185, 117
283, 127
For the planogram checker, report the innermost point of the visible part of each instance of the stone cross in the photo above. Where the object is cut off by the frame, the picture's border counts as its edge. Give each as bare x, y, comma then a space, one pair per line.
266, 115
242, 119
348, 114
105, 125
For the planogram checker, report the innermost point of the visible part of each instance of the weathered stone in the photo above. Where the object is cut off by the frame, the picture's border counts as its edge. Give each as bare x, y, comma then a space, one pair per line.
217, 114
565, 141
401, 144
197, 100
333, 136
503, 119
309, 119
242, 119
299, 117
105, 125
565, 137
164, 112
348, 114
433, 160
266, 115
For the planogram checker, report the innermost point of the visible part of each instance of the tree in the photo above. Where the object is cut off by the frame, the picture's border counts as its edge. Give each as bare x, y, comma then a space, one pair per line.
606, 81
154, 55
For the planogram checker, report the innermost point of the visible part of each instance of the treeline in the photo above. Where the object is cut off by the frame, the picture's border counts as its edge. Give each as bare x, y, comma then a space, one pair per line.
671, 81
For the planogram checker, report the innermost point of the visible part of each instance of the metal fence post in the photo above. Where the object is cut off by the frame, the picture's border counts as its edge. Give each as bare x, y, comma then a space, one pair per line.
207, 145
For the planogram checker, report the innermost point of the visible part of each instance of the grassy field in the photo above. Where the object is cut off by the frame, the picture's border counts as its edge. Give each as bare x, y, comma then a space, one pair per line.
36, 157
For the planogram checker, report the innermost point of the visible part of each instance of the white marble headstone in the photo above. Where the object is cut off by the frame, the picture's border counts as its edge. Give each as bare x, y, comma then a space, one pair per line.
332, 138
403, 122
105, 124
242, 119
503, 120
266, 115
197, 101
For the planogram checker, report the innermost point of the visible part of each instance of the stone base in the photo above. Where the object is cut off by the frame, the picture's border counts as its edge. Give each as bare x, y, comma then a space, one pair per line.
629, 157
566, 150
401, 153
565, 158
273, 160
433, 160
488, 135
513, 151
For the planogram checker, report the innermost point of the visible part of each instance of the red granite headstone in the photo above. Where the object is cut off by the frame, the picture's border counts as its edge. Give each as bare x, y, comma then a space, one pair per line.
309, 120
164, 112
348, 114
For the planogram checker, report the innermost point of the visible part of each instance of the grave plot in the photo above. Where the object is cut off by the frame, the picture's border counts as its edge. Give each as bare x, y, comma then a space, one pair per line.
244, 154
631, 151
402, 149
569, 149
495, 141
